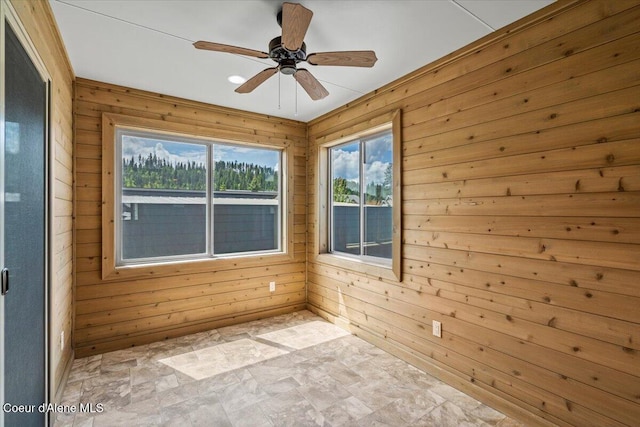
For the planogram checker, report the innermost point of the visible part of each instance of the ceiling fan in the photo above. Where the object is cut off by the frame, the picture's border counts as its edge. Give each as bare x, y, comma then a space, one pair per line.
289, 50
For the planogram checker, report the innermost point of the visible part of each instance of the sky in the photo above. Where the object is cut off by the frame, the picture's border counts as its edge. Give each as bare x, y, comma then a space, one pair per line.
256, 156
176, 152
345, 159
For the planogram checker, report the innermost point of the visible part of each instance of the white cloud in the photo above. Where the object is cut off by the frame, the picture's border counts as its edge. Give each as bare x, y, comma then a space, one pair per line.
378, 149
161, 152
172, 152
374, 172
183, 152
132, 146
257, 156
345, 164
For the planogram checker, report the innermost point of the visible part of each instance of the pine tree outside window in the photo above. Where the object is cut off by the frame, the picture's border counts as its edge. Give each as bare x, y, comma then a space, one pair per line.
187, 198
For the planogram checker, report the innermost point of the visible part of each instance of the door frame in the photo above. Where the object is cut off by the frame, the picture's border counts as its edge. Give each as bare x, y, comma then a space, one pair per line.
8, 15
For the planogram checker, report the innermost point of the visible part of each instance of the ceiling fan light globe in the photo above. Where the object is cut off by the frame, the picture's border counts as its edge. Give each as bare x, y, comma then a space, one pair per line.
288, 70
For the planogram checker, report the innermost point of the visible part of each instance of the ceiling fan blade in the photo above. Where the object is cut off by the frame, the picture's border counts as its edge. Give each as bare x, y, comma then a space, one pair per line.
353, 58
218, 47
310, 84
295, 22
256, 80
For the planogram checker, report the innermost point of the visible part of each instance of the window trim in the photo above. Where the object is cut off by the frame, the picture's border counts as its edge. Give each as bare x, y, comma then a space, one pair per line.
110, 270
360, 263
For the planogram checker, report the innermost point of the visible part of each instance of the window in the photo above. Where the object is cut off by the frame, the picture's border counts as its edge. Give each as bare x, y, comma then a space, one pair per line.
359, 198
184, 198
180, 198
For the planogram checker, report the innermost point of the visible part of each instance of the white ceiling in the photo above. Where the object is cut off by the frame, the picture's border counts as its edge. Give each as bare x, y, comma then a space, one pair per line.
147, 44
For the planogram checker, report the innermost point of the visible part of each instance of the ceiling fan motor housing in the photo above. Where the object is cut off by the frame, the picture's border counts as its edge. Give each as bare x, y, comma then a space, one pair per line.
286, 58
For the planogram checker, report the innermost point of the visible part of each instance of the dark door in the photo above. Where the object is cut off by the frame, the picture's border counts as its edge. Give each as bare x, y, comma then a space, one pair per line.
24, 235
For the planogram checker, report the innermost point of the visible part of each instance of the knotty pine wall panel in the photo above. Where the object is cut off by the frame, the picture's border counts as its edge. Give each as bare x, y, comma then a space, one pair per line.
37, 19
521, 218
113, 314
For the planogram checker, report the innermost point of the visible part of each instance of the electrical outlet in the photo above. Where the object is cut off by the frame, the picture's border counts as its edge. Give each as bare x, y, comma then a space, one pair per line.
62, 340
437, 329
272, 286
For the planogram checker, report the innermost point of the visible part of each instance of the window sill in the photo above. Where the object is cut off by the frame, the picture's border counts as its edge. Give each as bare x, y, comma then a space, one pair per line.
380, 270
207, 265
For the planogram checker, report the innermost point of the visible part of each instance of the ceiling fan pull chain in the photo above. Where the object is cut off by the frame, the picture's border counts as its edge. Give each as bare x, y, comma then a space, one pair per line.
296, 112
279, 91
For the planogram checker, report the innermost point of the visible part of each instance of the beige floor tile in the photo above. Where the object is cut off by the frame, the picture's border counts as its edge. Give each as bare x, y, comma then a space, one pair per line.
291, 370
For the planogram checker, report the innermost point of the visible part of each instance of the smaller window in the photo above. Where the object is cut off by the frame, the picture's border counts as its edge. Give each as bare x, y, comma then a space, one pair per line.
359, 198
361, 213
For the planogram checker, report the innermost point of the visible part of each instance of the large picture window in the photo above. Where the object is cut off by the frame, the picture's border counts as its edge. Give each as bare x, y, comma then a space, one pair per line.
187, 198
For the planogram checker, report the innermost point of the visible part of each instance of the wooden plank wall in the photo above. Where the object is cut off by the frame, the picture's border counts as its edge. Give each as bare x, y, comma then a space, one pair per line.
119, 313
521, 218
37, 18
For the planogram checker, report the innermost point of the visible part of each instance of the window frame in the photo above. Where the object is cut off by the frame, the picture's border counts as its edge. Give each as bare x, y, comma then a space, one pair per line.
183, 264
209, 146
366, 264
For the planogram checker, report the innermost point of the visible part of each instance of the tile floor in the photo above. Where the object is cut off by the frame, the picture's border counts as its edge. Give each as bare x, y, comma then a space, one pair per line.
290, 370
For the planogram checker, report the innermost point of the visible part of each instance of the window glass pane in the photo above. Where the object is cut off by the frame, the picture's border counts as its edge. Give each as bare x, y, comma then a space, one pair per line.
246, 202
345, 215
163, 197
378, 180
